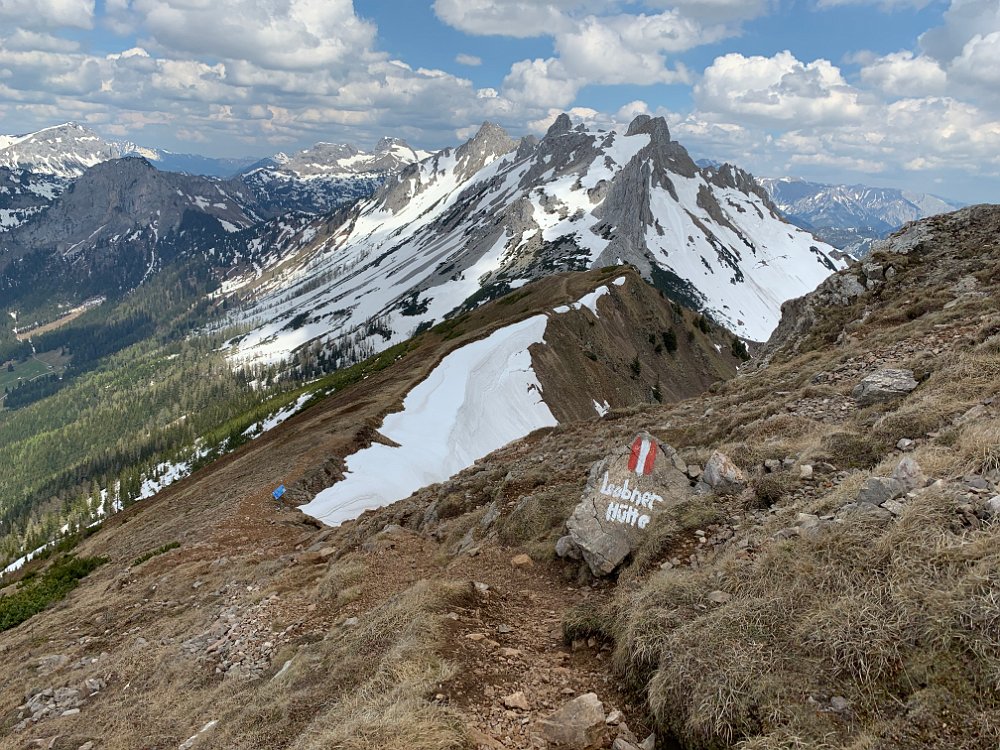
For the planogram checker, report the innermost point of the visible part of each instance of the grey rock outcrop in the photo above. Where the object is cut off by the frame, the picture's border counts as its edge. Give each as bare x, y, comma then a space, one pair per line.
884, 385
618, 505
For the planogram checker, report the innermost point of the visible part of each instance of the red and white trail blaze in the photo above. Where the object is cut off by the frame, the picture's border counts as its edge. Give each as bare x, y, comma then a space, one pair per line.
643, 456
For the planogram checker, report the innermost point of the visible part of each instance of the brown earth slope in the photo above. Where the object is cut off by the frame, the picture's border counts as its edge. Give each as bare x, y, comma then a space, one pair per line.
200, 633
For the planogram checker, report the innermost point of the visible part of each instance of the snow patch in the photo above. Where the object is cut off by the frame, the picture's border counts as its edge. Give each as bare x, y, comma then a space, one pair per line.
479, 398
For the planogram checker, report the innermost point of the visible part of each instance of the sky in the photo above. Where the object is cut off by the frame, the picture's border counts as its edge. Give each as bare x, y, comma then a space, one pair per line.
901, 93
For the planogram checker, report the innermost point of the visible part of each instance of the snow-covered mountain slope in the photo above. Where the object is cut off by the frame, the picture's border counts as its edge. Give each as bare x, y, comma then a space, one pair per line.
65, 151
852, 207
23, 194
529, 368
469, 224
479, 398
327, 175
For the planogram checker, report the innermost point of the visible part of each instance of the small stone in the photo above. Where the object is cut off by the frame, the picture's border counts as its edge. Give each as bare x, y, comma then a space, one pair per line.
649, 743
566, 547
719, 597
70, 712
693, 471
87, 746
517, 701
894, 506
521, 561
839, 703
722, 475
876, 490
772, 465
805, 471
476, 636
909, 474
906, 445
505, 629
993, 507
510, 653
883, 386
482, 588
350, 622
614, 718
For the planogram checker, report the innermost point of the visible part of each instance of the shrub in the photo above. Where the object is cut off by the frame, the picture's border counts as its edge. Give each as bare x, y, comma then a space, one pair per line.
37, 593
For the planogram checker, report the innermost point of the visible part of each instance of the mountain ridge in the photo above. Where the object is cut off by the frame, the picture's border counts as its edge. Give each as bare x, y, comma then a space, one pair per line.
473, 222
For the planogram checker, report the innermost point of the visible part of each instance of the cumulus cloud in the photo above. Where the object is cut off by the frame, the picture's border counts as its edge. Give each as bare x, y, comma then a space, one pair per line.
902, 74
963, 21
47, 14
778, 90
275, 34
515, 18
471, 60
630, 49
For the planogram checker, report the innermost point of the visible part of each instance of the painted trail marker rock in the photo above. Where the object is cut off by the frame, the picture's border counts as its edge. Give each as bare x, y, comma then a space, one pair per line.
625, 492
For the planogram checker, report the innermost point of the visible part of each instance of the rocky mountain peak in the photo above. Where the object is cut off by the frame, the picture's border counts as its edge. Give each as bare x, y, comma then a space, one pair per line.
562, 124
489, 142
656, 127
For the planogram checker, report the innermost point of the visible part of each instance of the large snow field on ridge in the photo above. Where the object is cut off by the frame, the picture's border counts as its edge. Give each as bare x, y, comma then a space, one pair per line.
479, 398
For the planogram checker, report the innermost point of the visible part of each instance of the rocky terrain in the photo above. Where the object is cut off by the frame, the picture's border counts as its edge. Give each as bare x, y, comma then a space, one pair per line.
821, 572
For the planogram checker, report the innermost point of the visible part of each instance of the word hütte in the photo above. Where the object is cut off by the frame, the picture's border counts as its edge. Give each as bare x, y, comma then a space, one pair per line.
641, 460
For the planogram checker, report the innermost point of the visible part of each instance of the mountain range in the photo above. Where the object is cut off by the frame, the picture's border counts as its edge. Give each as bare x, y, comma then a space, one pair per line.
850, 217
473, 223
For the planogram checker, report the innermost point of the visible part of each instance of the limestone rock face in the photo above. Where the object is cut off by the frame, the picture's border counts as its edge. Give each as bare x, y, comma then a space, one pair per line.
884, 385
625, 493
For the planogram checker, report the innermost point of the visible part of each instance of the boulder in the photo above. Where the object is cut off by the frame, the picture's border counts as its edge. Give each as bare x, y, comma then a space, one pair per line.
723, 476
876, 490
884, 385
625, 493
578, 725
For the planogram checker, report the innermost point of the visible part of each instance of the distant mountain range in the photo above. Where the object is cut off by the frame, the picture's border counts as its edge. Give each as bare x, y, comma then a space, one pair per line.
850, 217
36, 168
473, 223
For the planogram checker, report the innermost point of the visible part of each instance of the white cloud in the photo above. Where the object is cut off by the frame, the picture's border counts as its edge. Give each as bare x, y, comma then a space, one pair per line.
979, 63
715, 11
630, 49
47, 14
901, 74
274, 34
886, 5
778, 90
964, 20
471, 60
515, 18
541, 83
